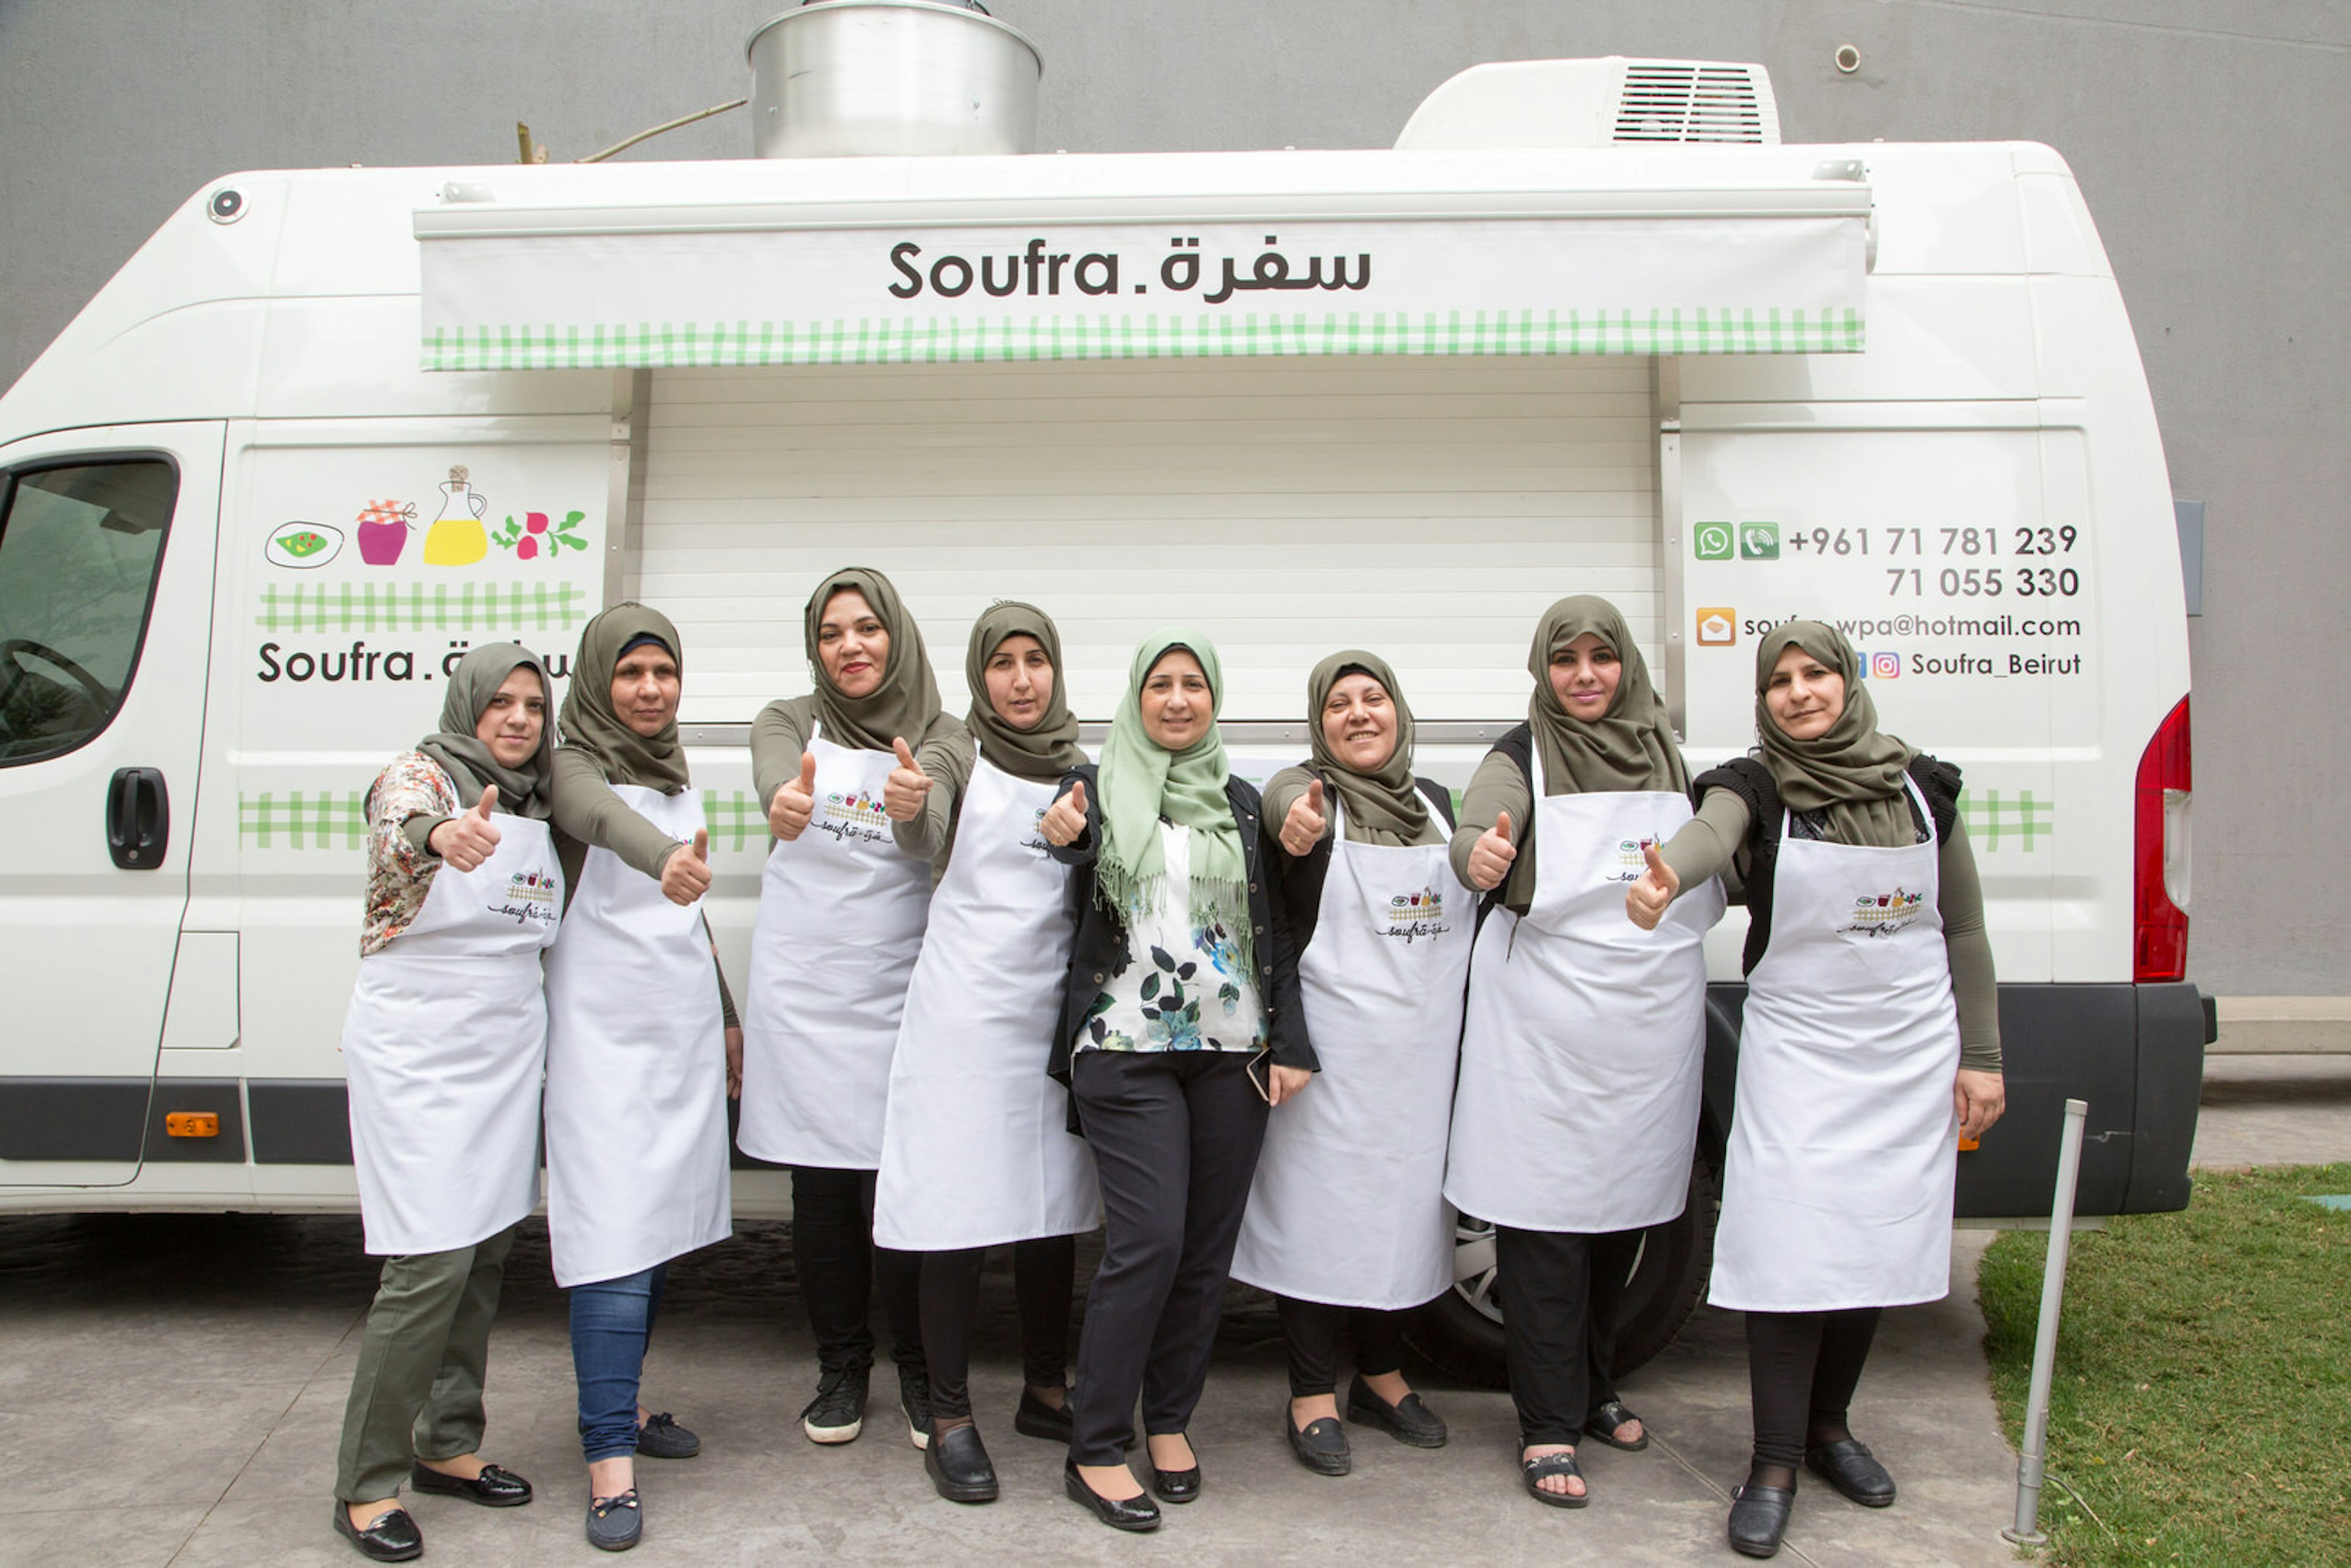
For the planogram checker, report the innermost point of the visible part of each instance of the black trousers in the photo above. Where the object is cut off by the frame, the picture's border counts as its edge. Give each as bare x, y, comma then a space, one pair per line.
1044, 1275
839, 1267
1562, 1296
1310, 1329
1175, 1137
1802, 1370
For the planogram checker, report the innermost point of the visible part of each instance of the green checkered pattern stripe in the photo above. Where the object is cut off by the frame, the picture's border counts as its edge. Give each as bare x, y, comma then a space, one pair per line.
735, 820
1998, 819
928, 340
419, 606
303, 819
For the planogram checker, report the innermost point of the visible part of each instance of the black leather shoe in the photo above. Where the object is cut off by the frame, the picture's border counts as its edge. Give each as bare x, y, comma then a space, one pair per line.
957, 1462
1035, 1418
1853, 1470
1321, 1447
1759, 1518
1408, 1421
1176, 1486
496, 1489
392, 1538
1136, 1513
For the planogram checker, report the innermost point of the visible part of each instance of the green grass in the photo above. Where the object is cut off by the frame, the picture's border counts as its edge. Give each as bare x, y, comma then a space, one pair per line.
2202, 1408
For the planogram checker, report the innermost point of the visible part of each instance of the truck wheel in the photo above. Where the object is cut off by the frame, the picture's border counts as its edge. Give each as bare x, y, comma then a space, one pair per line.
1461, 1331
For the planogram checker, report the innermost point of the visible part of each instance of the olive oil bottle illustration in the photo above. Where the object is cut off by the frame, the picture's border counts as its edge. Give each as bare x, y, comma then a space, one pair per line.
457, 538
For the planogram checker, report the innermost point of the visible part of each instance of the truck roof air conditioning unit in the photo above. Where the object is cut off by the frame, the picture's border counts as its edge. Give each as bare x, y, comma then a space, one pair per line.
882, 78
1598, 103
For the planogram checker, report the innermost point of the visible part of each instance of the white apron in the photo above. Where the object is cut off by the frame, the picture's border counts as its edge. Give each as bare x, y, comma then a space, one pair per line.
636, 1068
443, 1050
840, 919
1584, 1048
976, 1148
1347, 1207
1844, 1144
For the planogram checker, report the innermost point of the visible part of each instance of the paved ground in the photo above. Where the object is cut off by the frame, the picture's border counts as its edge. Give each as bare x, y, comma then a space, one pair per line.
170, 1388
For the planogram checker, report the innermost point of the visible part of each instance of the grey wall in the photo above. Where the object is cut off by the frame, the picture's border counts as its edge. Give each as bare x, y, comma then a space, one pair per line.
2208, 136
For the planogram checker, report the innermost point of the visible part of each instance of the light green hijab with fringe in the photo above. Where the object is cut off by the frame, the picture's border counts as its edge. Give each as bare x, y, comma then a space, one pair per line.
1142, 781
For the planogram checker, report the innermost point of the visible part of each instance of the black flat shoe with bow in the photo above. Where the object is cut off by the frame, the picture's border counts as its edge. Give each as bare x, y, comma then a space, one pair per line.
493, 1488
391, 1537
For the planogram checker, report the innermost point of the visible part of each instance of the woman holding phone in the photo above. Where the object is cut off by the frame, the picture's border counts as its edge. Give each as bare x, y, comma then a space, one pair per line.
1869, 1046
975, 1149
1182, 979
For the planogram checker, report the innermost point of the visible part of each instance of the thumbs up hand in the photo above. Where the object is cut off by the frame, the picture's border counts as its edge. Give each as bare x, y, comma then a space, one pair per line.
904, 792
1491, 856
794, 803
1306, 822
686, 875
468, 839
1065, 819
1645, 901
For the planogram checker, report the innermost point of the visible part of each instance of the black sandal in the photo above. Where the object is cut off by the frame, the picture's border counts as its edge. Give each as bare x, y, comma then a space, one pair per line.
1535, 1471
1602, 1424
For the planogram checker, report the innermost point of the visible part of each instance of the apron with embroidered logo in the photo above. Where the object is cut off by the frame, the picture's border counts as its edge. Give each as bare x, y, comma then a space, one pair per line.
636, 1068
1583, 1050
1837, 1192
841, 910
1347, 1207
976, 1148
442, 1050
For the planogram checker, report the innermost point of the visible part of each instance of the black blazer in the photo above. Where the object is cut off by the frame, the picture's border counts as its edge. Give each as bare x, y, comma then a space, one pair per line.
1100, 950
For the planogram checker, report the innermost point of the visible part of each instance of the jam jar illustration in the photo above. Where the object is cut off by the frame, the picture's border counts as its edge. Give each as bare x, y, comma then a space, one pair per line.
456, 537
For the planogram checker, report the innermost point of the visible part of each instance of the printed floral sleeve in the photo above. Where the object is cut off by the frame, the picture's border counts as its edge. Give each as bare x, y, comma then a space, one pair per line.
398, 873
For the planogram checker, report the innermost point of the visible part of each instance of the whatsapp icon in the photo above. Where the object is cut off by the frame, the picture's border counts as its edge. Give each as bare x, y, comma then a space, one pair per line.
1714, 541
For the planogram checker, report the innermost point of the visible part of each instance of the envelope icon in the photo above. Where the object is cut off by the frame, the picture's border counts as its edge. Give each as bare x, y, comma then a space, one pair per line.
1717, 626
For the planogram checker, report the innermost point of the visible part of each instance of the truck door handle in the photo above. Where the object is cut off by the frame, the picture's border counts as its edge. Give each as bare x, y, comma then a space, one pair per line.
137, 818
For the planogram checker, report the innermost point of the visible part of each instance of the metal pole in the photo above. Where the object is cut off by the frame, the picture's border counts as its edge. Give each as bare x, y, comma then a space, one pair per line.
2032, 1461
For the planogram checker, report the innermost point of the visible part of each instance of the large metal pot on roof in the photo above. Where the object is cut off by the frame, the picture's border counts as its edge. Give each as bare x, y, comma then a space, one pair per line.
852, 79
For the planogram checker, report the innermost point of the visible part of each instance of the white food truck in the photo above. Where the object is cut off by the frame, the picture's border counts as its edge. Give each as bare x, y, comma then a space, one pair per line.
328, 429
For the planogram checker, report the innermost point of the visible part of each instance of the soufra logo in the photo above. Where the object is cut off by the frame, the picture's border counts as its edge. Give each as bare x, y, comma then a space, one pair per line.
1630, 860
1884, 913
530, 898
856, 817
1413, 916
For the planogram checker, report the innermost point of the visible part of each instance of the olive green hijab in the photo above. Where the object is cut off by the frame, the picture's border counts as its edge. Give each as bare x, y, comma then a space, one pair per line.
522, 792
591, 723
907, 704
1050, 750
1382, 807
1629, 747
1854, 772
1141, 781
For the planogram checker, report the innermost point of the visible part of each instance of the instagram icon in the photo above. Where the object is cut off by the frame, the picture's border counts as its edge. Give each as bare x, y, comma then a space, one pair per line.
1884, 666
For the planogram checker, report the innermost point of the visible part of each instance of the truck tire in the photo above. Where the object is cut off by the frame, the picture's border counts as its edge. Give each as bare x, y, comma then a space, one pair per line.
1461, 1331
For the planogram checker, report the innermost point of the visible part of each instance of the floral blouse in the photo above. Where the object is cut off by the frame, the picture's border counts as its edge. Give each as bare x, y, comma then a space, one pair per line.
399, 869
1185, 987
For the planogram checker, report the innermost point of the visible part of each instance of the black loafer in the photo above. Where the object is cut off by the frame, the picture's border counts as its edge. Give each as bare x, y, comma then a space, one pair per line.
1853, 1470
1759, 1518
663, 1438
1408, 1421
1321, 1445
1602, 1424
392, 1538
1035, 1418
957, 1464
1136, 1513
496, 1488
615, 1524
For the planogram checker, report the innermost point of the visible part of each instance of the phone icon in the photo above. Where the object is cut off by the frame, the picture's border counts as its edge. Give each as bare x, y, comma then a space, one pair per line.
1759, 541
1712, 541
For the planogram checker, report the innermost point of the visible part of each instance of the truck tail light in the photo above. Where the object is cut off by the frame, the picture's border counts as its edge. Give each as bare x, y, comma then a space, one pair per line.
2159, 847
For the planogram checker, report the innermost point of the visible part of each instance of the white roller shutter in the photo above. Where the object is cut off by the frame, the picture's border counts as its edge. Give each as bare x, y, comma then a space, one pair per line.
1424, 509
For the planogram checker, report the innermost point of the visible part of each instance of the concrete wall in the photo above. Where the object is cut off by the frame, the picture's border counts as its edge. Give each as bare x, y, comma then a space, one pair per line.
2209, 137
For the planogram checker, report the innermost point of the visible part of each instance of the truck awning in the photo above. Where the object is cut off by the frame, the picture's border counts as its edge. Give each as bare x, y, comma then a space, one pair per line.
866, 261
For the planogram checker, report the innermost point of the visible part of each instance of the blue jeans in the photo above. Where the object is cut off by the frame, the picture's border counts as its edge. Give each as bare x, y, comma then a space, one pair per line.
612, 1321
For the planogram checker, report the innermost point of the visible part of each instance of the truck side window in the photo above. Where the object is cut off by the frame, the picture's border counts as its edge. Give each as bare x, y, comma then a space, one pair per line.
79, 547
